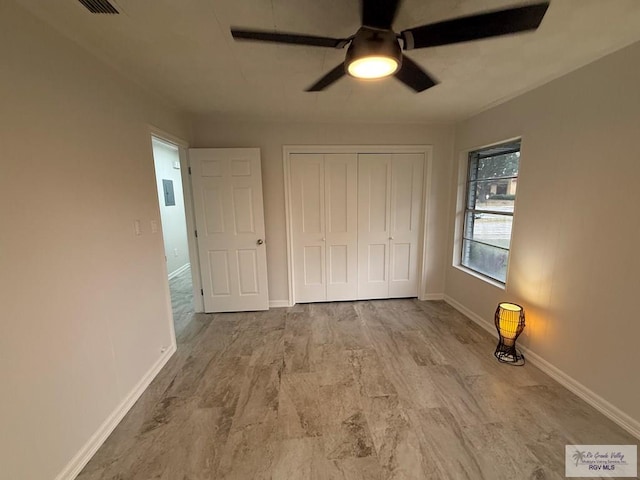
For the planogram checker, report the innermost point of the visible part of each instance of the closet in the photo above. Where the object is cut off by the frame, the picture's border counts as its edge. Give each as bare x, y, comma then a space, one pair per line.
389, 220
324, 220
355, 223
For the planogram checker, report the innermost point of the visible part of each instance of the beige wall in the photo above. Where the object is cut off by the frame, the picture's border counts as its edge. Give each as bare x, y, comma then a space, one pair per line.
270, 137
174, 221
575, 258
84, 301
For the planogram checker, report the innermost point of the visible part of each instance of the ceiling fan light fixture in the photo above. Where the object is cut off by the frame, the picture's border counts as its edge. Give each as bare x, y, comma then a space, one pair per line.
373, 53
373, 67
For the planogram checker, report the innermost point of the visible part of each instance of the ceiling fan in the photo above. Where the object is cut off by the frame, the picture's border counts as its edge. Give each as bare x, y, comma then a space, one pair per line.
374, 50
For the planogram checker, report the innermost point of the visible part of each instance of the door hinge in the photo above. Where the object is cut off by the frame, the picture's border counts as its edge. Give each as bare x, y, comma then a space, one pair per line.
202, 292
189, 170
196, 232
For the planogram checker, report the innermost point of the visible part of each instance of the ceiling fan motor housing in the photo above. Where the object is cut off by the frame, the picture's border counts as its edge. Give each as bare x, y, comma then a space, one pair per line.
373, 42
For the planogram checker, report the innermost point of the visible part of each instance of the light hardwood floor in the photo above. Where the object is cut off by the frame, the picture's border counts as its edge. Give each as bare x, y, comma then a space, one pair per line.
397, 389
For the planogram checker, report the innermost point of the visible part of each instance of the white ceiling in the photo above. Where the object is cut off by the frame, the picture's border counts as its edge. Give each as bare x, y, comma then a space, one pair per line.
182, 50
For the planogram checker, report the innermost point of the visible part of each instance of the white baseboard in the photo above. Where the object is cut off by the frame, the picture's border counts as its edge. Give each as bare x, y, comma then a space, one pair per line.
432, 296
596, 401
279, 303
78, 462
177, 272
489, 327
609, 410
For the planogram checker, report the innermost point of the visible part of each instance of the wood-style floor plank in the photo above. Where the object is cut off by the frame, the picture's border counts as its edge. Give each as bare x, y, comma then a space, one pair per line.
393, 389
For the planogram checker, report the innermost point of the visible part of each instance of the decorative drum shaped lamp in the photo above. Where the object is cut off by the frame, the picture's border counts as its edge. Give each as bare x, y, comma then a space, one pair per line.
509, 321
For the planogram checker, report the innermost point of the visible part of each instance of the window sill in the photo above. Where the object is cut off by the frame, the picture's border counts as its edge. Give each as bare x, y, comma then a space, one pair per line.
479, 276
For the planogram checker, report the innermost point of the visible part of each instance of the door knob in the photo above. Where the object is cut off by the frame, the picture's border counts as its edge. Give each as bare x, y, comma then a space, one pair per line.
390, 238
260, 241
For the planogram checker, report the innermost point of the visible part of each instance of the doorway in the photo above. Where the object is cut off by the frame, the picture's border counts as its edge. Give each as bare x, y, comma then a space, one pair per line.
173, 217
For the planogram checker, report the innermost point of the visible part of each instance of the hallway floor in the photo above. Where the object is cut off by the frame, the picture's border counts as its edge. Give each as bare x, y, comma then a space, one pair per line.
181, 288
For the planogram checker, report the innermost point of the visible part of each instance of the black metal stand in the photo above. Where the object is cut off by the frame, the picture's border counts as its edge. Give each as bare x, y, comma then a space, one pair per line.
509, 354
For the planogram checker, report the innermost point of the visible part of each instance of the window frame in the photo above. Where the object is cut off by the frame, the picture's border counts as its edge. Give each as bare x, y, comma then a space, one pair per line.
475, 155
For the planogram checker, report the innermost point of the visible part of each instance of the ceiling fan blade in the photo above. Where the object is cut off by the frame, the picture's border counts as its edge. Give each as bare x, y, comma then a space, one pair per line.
413, 76
334, 75
475, 27
379, 13
290, 38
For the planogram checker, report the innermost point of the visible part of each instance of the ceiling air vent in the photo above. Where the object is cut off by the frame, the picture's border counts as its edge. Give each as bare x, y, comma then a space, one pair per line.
99, 6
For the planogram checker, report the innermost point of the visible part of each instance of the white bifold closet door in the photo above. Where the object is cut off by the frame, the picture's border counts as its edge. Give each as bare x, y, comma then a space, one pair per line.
324, 226
389, 219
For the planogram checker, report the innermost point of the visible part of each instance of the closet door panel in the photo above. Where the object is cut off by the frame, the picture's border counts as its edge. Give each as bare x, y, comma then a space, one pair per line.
402, 262
341, 185
308, 221
312, 266
374, 181
405, 220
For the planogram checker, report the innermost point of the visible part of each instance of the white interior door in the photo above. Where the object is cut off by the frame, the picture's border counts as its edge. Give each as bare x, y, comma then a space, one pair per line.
341, 231
374, 203
405, 222
389, 222
325, 230
308, 224
227, 191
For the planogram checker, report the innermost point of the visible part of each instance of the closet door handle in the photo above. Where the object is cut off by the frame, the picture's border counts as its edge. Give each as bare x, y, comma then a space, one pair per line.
390, 238
260, 241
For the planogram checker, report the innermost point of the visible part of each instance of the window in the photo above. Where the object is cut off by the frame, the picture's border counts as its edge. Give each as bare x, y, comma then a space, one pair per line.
492, 180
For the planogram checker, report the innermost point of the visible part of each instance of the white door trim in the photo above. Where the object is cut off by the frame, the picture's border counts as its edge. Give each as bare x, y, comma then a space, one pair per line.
287, 150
